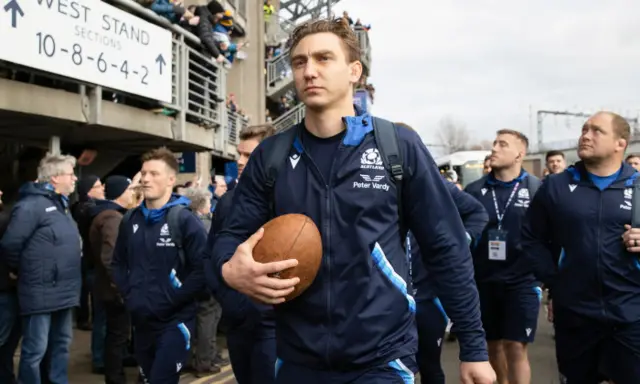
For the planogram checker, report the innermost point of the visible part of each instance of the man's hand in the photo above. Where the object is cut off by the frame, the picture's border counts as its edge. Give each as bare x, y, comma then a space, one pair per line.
477, 373
550, 311
245, 275
631, 239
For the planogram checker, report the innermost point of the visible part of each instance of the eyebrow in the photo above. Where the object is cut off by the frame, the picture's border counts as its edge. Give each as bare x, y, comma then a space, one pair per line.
592, 126
315, 54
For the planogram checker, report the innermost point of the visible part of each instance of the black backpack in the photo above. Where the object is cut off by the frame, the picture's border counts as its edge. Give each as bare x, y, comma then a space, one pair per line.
173, 221
386, 137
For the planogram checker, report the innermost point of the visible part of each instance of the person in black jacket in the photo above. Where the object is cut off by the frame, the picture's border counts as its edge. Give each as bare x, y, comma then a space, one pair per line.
9, 311
251, 334
43, 244
89, 188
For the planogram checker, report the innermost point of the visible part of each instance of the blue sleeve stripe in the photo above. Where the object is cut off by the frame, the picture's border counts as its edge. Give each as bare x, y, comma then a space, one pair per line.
561, 259
402, 370
387, 270
277, 367
438, 304
538, 292
173, 278
187, 335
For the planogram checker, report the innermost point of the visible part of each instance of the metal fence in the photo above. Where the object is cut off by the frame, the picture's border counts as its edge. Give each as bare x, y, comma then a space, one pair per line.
236, 122
290, 118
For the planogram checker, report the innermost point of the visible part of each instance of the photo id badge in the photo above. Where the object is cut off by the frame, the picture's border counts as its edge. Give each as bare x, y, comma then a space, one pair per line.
497, 245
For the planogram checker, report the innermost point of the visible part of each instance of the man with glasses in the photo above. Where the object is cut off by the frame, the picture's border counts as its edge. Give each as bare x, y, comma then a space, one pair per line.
43, 245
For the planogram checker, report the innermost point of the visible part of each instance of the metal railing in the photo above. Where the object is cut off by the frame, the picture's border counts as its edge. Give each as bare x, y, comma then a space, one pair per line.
279, 70
236, 122
290, 118
198, 82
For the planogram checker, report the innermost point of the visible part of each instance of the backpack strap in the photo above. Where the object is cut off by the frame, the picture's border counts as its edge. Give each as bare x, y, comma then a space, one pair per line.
173, 221
275, 159
127, 217
386, 136
534, 185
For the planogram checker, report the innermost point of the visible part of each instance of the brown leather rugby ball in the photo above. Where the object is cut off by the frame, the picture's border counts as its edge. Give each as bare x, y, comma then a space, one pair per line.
292, 236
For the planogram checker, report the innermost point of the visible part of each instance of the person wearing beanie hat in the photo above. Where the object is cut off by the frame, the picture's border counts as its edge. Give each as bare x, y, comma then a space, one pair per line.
89, 189
115, 186
106, 216
215, 8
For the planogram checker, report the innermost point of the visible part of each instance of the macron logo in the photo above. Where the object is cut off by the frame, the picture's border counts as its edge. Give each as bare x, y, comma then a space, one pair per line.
483, 190
528, 330
572, 187
294, 160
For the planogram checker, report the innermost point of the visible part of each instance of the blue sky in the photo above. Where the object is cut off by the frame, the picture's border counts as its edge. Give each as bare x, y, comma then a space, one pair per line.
485, 63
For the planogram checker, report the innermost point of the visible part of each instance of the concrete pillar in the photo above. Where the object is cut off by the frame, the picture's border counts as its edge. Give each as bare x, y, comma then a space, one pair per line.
246, 78
54, 145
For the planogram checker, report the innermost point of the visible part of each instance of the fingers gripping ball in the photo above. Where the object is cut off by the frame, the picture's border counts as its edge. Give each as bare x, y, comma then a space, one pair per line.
292, 236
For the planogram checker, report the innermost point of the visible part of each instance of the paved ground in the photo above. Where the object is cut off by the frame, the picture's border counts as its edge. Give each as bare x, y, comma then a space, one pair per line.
541, 354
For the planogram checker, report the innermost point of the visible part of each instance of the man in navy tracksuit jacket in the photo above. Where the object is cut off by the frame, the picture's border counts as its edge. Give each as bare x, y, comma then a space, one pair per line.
355, 323
320, 332
431, 318
596, 292
251, 332
159, 290
509, 294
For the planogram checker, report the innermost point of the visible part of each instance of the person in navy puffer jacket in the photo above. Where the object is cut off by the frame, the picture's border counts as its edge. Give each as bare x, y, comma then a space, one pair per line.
159, 289
43, 244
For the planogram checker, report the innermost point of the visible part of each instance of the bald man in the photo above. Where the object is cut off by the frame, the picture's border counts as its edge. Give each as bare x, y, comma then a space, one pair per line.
583, 215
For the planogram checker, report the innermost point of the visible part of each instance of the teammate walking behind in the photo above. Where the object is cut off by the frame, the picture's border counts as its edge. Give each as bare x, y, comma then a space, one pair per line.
509, 294
586, 212
157, 268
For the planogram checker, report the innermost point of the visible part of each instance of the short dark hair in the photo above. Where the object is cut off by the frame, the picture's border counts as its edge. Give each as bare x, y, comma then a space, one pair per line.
162, 154
338, 27
258, 132
519, 135
486, 158
631, 156
553, 153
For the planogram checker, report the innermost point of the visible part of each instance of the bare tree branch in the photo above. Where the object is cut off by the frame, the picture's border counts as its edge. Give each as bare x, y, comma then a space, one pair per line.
453, 135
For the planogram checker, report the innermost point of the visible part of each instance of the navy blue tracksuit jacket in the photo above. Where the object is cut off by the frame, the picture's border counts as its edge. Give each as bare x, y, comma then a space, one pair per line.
357, 313
596, 276
42, 242
474, 217
516, 270
157, 290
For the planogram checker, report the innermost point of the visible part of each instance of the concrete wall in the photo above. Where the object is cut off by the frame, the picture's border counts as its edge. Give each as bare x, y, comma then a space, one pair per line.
247, 79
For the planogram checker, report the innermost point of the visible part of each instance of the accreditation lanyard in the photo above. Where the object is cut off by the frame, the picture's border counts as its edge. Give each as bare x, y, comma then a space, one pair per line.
499, 215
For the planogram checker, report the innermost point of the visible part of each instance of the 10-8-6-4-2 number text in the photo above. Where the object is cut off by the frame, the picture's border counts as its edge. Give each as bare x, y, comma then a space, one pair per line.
47, 46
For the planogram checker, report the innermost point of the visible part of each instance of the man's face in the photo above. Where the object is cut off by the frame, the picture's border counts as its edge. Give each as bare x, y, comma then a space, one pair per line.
128, 197
632, 161
65, 182
598, 139
245, 148
322, 75
157, 179
97, 191
486, 167
506, 150
221, 187
556, 164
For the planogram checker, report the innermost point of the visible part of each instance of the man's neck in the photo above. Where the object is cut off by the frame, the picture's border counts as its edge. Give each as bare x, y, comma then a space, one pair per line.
327, 123
604, 168
507, 174
157, 203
